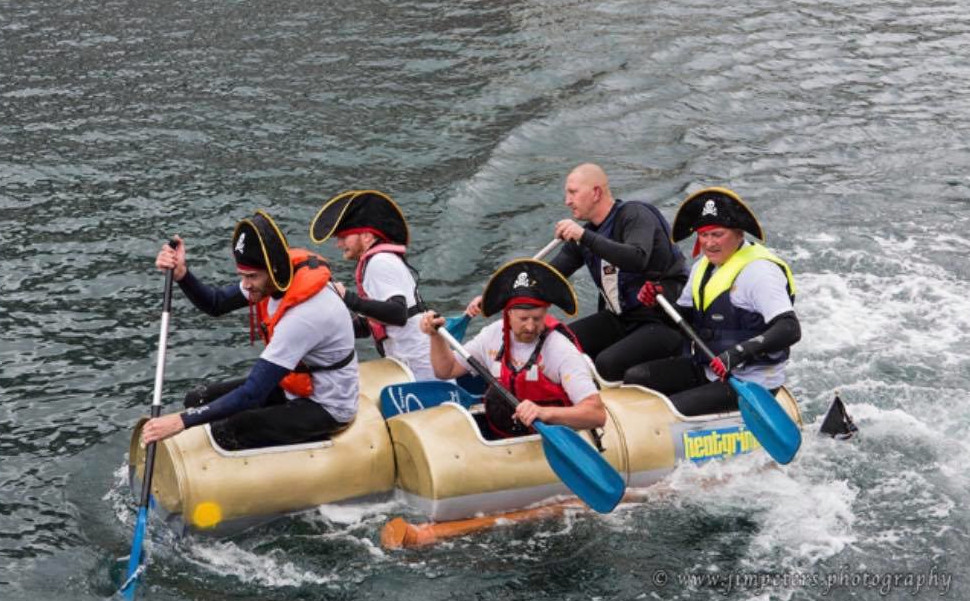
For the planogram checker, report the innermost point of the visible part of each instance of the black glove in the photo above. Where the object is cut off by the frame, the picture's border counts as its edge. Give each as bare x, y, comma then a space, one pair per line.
731, 358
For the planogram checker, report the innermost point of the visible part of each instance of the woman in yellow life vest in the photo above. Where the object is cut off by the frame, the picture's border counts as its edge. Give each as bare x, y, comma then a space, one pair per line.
304, 385
740, 300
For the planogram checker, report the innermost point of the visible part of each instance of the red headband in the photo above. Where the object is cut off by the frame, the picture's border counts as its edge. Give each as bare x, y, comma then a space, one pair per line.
249, 268
702, 229
525, 300
361, 230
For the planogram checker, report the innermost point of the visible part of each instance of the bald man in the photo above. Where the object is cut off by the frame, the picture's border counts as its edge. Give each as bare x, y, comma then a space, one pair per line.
623, 244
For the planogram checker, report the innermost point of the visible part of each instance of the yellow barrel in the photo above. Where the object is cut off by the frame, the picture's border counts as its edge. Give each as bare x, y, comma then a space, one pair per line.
207, 488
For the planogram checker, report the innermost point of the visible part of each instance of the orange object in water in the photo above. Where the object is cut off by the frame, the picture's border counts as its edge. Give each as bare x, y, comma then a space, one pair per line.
400, 533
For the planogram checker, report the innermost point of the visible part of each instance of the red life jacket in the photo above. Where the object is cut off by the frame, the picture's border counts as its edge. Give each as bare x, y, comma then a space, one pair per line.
378, 329
527, 382
310, 274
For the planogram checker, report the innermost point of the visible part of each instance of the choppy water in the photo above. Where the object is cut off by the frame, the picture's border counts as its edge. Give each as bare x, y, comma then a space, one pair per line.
843, 124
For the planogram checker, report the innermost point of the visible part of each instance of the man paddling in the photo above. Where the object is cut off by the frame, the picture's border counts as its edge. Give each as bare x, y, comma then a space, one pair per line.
623, 244
370, 229
532, 355
304, 385
740, 300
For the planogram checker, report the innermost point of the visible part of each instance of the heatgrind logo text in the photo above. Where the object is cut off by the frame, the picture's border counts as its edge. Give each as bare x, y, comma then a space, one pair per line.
701, 445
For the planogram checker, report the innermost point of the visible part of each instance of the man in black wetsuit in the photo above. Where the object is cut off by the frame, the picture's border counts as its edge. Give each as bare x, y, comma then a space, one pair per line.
623, 244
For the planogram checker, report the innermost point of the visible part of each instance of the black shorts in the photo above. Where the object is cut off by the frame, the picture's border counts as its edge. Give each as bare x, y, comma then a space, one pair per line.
615, 344
280, 421
685, 382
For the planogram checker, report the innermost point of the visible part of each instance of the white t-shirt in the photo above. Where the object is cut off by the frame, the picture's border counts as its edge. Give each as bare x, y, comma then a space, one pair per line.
560, 360
761, 287
386, 275
318, 331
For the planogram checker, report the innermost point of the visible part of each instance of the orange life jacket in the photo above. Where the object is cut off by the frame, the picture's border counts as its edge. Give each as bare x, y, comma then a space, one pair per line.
310, 274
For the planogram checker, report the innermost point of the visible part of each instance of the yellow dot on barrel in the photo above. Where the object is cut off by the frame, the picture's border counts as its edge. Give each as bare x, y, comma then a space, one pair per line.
207, 514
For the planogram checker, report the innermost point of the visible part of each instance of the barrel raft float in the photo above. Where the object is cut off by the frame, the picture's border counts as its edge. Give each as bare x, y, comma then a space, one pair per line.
436, 459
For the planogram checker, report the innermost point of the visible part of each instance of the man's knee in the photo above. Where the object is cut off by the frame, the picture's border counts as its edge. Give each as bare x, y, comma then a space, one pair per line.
225, 435
639, 374
243, 430
195, 397
608, 367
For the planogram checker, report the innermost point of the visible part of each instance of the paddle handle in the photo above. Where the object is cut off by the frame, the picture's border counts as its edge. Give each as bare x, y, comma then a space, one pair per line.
679, 320
478, 367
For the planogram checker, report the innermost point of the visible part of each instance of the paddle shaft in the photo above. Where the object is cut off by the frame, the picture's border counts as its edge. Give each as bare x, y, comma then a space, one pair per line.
156, 409
478, 367
679, 320
548, 248
141, 523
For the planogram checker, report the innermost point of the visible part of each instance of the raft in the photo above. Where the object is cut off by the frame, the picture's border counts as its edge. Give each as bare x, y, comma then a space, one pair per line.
437, 459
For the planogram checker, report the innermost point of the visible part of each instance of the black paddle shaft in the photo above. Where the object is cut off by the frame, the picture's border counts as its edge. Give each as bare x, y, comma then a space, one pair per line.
507, 396
679, 319
697, 340
146, 485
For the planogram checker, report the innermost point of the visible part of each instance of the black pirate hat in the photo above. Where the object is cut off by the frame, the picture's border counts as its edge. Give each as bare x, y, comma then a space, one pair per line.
717, 207
527, 282
258, 243
357, 211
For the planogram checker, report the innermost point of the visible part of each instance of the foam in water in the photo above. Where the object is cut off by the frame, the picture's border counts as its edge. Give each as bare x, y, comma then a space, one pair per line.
799, 517
357, 513
118, 496
228, 559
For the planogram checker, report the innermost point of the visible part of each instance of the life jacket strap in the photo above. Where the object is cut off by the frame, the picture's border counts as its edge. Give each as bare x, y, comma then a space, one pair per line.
303, 368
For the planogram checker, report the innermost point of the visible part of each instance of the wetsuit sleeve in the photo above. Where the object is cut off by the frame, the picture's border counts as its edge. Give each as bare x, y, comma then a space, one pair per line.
568, 259
361, 328
783, 331
209, 299
263, 378
393, 311
635, 232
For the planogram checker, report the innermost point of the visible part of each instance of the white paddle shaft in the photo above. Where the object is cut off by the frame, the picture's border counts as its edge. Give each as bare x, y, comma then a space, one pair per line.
548, 248
160, 366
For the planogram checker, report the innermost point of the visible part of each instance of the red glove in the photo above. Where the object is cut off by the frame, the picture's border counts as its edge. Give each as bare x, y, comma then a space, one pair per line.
719, 369
728, 360
648, 293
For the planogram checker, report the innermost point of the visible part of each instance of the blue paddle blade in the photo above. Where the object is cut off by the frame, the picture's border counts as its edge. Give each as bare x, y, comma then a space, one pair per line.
134, 560
774, 429
581, 467
415, 396
457, 326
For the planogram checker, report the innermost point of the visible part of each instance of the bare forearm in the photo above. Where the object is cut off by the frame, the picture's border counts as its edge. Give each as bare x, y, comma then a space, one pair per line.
443, 360
589, 413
